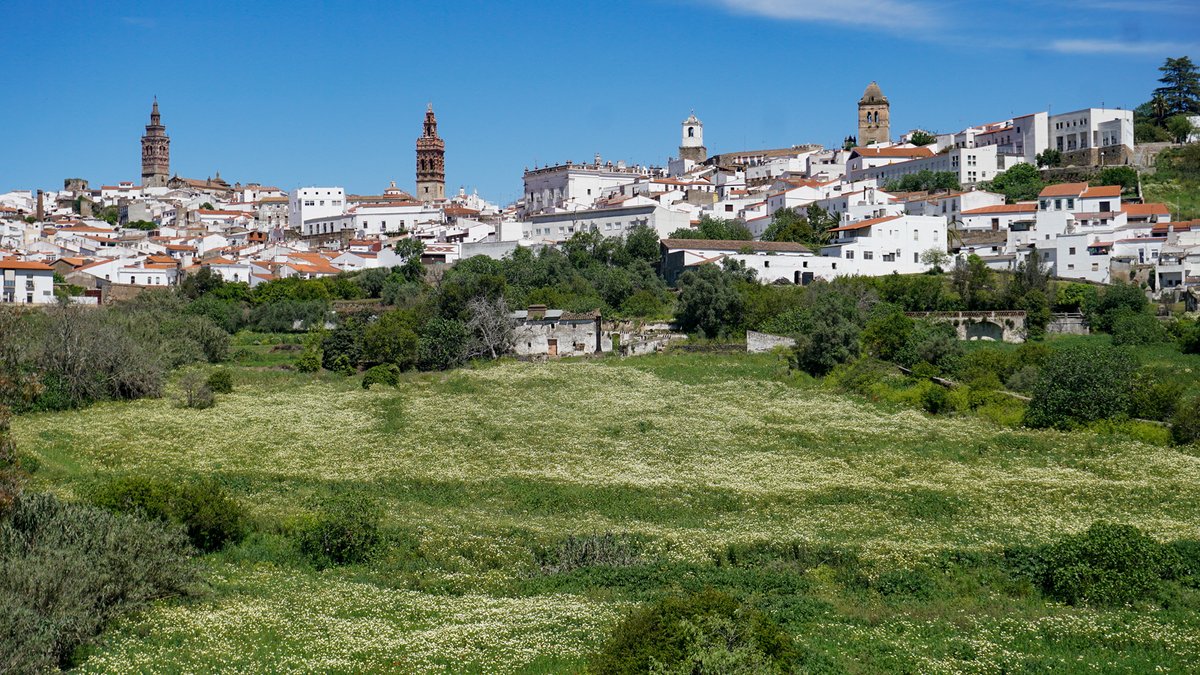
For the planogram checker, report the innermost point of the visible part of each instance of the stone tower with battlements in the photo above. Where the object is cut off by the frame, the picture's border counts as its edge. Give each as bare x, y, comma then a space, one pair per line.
874, 112
156, 152
431, 161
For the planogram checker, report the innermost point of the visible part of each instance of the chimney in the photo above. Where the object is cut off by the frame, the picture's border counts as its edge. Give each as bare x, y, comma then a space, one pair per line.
41, 210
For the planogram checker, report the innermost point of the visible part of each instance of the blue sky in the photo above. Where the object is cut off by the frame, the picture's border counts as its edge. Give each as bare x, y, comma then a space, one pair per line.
333, 93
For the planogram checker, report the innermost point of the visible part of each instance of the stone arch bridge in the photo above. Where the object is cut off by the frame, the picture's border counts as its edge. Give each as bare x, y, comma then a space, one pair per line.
999, 326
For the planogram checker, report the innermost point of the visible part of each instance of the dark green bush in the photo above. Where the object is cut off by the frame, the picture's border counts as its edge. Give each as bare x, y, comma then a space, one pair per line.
596, 550
205, 510
934, 398
1081, 384
859, 375
136, 495
210, 515
220, 381
1109, 564
1154, 394
1136, 328
388, 374
66, 571
309, 361
346, 529
696, 633
1185, 425
443, 344
1110, 303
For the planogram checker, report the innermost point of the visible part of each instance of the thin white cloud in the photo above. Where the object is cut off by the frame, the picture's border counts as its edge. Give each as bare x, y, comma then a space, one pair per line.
884, 14
1116, 46
1161, 6
140, 21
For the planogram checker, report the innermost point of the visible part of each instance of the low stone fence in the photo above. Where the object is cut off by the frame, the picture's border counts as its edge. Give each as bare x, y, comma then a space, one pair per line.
757, 343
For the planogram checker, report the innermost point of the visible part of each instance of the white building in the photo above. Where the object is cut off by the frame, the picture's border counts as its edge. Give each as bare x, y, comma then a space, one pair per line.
969, 165
26, 283
612, 221
315, 202
889, 244
771, 261
578, 186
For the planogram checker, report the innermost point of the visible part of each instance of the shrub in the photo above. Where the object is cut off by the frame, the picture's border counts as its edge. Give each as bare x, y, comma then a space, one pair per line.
443, 344
596, 550
1109, 564
1154, 394
709, 301
309, 361
205, 510
66, 571
210, 515
194, 391
388, 374
701, 632
1081, 384
934, 343
136, 495
1136, 328
934, 398
1185, 425
1024, 380
860, 375
832, 332
1116, 297
346, 529
220, 381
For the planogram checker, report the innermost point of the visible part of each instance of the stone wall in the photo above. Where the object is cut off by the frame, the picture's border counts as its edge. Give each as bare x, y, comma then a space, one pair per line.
757, 343
1067, 324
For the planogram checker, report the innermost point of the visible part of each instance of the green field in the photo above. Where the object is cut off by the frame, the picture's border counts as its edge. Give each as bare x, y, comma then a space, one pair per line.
480, 468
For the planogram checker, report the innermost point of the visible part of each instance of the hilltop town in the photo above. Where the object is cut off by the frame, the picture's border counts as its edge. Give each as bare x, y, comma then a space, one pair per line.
923, 402
892, 203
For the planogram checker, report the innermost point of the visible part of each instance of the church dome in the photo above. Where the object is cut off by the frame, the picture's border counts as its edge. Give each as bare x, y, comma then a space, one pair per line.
873, 94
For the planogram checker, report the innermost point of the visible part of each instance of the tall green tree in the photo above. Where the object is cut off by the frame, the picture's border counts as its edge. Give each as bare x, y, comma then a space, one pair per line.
1180, 86
708, 301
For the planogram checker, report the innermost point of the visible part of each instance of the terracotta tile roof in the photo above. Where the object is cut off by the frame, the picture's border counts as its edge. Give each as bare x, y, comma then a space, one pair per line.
864, 223
1151, 209
1102, 191
1064, 190
893, 152
24, 265
1020, 207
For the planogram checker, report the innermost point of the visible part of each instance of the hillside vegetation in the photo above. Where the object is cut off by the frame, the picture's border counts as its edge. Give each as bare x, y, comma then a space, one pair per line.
527, 508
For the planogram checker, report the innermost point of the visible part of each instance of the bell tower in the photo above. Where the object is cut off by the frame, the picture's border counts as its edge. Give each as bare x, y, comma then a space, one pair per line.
156, 152
431, 161
691, 146
874, 112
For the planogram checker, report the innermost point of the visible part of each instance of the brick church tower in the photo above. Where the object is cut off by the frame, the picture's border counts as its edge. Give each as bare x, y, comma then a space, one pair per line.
156, 152
431, 161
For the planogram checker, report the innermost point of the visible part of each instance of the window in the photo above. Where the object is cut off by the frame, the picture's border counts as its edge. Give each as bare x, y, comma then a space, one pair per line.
1105, 206
766, 263
729, 208
1095, 267
1071, 251
1070, 202
916, 257
850, 255
1071, 266
916, 235
868, 255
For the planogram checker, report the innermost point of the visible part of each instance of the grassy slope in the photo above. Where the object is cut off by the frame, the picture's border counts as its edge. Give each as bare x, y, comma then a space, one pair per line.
693, 452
